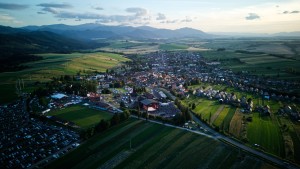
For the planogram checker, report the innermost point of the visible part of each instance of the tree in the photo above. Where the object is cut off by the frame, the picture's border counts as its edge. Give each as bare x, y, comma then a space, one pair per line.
115, 119
193, 106
139, 112
102, 126
122, 104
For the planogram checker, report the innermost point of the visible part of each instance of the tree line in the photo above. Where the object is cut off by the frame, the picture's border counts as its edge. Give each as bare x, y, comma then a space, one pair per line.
104, 125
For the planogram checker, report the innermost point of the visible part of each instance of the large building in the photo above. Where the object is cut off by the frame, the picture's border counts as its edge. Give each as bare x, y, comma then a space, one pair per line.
150, 104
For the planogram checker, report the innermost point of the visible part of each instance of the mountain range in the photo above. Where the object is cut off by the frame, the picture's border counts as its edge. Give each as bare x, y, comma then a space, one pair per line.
97, 31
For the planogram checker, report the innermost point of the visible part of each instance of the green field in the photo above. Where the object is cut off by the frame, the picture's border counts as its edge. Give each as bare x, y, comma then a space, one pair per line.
264, 132
204, 107
55, 65
81, 116
153, 146
221, 116
268, 132
172, 47
268, 57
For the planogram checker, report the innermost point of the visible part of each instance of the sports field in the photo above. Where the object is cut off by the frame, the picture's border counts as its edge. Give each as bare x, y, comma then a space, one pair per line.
55, 65
140, 144
80, 115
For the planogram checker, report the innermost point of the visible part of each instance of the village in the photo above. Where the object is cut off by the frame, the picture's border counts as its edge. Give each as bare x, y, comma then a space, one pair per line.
149, 86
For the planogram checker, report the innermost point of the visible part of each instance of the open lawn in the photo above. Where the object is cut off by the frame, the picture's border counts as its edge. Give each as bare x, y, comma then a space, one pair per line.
55, 65
80, 115
266, 134
153, 146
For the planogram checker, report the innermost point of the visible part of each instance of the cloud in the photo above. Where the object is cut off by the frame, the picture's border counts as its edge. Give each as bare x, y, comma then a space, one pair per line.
5, 18
55, 5
98, 8
136, 15
252, 16
161, 16
137, 11
292, 12
11, 6
51, 10
170, 21
187, 19
41, 13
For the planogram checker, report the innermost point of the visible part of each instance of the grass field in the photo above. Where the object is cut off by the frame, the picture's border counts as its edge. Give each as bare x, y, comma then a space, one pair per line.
153, 146
204, 107
264, 132
55, 65
219, 120
172, 47
267, 131
236, 124
269, 57
80, 115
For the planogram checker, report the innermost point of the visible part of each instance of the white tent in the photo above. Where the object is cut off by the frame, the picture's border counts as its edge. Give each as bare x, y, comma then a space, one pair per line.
58, 96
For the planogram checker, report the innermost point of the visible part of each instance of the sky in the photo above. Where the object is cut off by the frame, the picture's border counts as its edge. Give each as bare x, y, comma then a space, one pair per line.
255, 16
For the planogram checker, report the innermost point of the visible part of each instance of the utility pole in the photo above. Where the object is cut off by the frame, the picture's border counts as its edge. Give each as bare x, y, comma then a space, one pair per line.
130, 143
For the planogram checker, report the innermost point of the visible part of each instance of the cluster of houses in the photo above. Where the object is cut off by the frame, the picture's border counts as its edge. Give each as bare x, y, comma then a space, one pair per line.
172, 69
25, 141
227, 98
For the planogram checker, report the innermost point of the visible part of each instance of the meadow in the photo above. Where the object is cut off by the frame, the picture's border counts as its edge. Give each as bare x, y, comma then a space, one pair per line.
55, 65
82, 116
172, 47
275, 134
140, 144
277, 58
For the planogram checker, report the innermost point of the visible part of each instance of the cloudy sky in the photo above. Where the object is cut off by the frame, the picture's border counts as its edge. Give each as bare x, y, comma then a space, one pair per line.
257, 16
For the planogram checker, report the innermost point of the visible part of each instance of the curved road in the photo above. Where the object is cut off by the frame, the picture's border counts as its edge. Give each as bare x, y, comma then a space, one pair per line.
231, 142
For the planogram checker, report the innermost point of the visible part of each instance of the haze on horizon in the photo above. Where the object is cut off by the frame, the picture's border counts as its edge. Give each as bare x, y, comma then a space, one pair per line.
256, 16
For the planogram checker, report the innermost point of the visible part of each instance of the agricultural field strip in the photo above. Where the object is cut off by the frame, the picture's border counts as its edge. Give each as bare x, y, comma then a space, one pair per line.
185, 151
111, 148
216, 115
48, 68
236, 124
138, 139
92, 146
228, 118
220, 119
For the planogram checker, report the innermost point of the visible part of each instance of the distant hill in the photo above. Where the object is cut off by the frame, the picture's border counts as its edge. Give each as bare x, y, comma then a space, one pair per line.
92, 31
255, 35
18, 45
288, 34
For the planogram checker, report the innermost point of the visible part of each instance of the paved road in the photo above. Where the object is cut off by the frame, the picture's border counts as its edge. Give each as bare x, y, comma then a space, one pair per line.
263, 155
217, 136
